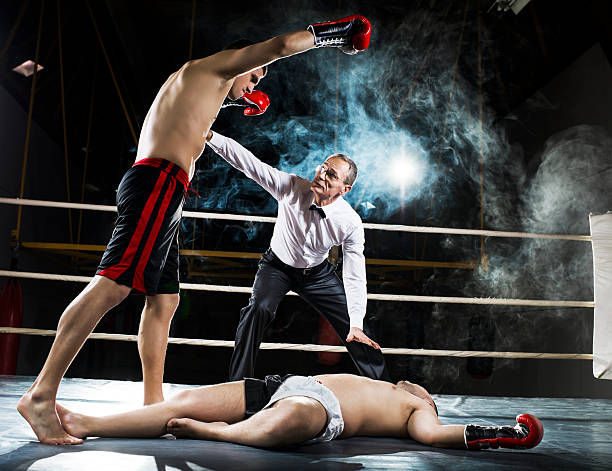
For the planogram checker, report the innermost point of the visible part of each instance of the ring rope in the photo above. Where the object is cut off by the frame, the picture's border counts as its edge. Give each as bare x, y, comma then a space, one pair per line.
320, 348
372, 296
380, 227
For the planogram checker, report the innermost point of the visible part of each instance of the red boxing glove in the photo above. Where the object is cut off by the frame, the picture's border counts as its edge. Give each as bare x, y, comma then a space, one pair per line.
258, 102
527, 433
350, 34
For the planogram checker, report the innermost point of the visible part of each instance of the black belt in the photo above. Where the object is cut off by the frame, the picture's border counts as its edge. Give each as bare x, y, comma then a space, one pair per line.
303, 271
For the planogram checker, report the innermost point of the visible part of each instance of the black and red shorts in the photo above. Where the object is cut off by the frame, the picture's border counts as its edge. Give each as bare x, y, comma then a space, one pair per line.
143, 252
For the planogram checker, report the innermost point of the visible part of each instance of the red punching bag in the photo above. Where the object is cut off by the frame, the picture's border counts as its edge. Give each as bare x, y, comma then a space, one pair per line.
328, 336
11, 315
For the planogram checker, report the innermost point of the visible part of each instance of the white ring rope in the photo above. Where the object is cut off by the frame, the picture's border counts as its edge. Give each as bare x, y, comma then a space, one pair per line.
311, 347
321, 348
380, 227
372, 296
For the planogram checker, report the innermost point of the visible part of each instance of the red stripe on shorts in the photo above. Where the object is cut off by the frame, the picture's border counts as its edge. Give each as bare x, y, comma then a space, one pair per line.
155, 162
146, 253
128, 256
152, 162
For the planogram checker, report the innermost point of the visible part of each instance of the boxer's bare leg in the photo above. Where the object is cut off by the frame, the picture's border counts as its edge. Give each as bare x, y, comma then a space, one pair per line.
222, 402
290, 421
152, 342
37, 405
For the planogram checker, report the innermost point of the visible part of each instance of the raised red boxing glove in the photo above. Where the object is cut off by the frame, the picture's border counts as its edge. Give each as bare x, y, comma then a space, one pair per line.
257, 102
350, 34
527, 433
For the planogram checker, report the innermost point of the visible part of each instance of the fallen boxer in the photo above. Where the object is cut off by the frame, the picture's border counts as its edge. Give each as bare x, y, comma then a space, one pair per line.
278, 412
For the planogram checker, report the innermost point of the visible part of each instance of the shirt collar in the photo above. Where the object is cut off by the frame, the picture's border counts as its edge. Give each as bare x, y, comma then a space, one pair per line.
332, 208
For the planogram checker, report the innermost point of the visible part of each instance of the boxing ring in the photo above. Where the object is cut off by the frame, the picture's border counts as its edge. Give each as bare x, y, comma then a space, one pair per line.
578, 432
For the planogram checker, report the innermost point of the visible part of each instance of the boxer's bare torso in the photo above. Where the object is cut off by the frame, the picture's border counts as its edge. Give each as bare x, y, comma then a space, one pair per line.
370, 407
182, 113
186, 106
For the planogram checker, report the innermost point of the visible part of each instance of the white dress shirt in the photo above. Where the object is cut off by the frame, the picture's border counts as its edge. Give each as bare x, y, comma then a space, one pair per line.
302, 238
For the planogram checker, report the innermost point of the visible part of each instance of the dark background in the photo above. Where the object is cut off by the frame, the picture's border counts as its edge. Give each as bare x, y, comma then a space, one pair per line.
443, 81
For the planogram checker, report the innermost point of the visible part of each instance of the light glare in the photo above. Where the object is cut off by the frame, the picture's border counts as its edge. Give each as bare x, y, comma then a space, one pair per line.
406, 171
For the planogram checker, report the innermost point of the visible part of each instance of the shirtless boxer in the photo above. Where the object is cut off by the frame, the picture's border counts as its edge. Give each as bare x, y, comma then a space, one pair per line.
273, 413
143, 251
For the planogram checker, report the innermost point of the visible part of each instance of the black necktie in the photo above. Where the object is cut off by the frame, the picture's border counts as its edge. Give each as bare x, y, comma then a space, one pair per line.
314, 207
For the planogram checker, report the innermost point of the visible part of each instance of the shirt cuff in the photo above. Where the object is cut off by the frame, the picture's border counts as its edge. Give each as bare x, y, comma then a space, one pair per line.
356, 320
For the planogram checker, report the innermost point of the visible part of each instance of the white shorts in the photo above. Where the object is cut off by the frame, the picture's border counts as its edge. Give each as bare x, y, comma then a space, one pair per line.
309, 387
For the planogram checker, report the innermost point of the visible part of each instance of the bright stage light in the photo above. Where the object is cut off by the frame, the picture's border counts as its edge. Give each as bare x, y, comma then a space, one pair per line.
406, 170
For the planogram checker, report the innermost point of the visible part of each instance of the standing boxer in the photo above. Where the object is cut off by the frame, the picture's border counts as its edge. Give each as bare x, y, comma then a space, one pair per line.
143, 251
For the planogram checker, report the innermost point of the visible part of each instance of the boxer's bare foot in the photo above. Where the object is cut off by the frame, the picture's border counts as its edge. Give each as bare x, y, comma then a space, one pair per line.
75, 424
42, 417
189, 428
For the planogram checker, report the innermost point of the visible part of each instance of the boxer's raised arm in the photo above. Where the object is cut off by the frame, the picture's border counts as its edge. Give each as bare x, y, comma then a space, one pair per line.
235, 62
350, 34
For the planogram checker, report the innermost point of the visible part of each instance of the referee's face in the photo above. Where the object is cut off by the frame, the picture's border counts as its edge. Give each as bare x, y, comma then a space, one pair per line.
329, 179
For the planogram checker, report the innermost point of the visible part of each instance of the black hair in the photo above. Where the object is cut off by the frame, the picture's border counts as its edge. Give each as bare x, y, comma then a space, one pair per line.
244, 42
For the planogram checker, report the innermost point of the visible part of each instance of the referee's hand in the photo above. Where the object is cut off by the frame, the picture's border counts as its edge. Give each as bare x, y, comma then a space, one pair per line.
357, 334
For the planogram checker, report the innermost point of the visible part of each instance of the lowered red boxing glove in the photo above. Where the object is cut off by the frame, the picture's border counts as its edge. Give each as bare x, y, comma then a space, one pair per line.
350, 34
257, 102
527, 433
